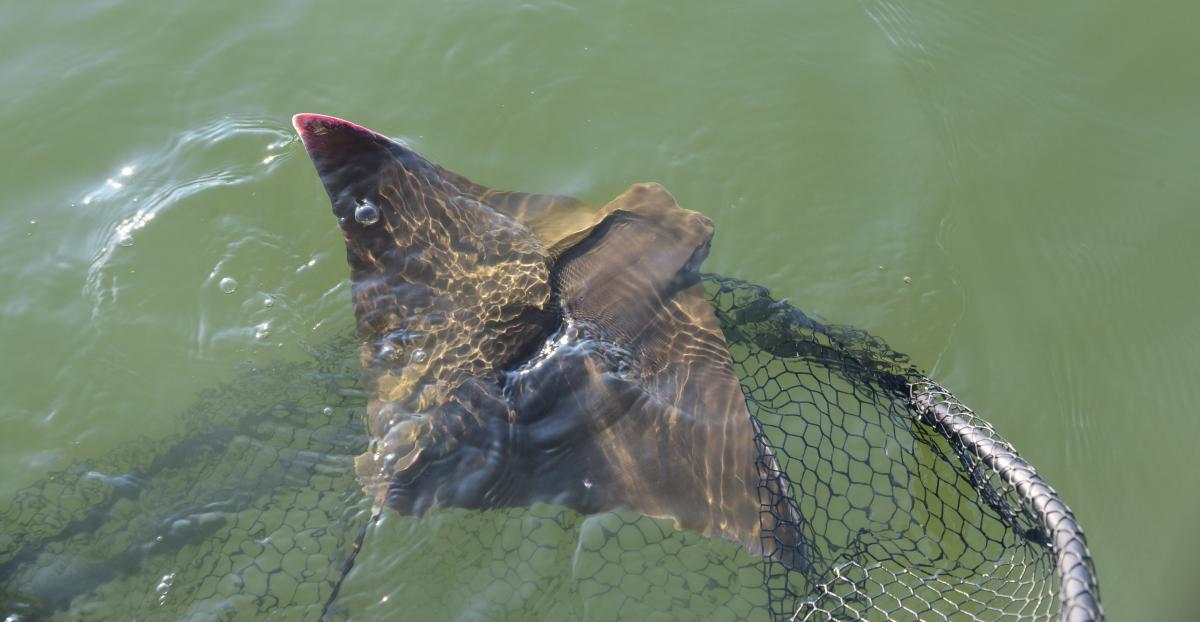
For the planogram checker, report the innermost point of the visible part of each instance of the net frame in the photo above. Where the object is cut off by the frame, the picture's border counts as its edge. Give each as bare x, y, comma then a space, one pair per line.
1078, 586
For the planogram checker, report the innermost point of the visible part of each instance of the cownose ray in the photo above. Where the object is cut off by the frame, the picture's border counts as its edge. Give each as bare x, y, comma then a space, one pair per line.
521, 348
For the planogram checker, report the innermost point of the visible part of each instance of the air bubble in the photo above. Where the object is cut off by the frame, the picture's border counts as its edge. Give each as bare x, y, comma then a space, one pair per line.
228, 285
908, 279
262, 331
420, 356
163, 587
327, 410
269, 302
366, 213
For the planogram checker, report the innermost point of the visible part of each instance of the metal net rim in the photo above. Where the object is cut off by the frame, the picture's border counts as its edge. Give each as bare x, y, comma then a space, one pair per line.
1078, 585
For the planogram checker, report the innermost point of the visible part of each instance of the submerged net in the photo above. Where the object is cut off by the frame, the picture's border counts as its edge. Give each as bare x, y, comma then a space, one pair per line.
245, 514
914, 508
911, 507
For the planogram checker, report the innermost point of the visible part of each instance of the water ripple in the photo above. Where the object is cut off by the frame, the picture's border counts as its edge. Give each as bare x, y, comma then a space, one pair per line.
149, 186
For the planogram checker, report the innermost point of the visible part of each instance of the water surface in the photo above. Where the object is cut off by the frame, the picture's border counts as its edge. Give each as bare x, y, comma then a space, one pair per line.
1027, 168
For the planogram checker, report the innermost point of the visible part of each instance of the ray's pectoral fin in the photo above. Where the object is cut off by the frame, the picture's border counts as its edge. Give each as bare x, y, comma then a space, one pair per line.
551, 217
522, 347
354, 162
649, 390
449, 285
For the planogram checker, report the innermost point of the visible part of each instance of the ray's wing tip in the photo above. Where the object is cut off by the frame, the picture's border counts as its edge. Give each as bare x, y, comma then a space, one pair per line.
301, 120
312, 127
308, 124
309, 121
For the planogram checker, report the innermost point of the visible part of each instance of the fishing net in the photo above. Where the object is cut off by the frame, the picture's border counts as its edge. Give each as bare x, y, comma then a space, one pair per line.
246, 512
914, 508
911, 506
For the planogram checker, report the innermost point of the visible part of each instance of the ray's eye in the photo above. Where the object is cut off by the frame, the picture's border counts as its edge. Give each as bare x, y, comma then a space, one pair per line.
366, 213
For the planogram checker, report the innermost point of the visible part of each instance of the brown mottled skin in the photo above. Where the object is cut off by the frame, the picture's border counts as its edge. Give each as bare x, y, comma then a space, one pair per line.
522, 348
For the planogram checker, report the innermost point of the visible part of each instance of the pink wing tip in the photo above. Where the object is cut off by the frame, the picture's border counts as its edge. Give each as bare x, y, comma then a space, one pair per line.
309, 125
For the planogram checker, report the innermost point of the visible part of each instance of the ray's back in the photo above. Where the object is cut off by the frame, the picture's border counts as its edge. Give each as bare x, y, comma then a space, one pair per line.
522, 348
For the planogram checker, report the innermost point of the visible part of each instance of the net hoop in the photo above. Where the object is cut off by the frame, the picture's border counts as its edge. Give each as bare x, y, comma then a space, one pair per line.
1078, 587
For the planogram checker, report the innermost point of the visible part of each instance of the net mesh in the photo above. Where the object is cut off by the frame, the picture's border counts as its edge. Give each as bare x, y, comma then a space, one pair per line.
915, 509
912, 509
247, 513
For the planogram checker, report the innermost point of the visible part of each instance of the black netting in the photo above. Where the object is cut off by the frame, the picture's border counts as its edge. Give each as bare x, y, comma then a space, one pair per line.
905, 518
249, 512
911, 508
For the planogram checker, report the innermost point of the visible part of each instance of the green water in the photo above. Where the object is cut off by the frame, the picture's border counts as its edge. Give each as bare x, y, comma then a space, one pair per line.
1027, 167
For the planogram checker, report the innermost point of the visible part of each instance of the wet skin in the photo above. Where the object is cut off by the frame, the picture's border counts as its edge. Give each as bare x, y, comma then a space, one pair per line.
523, 348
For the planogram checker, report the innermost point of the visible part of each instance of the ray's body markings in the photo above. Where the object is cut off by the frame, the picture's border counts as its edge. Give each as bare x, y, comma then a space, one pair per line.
522, 348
